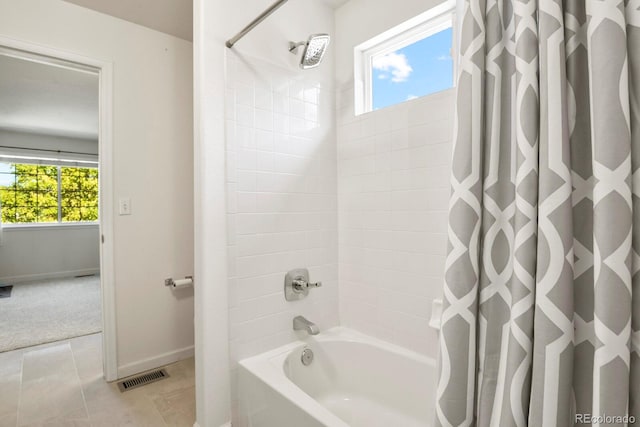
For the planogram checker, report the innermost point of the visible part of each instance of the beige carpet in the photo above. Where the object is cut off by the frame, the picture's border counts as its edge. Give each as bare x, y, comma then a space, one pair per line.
50, 310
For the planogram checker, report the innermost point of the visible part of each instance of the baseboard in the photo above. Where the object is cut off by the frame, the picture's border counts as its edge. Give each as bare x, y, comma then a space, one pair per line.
223, 425
54, 275
155, 362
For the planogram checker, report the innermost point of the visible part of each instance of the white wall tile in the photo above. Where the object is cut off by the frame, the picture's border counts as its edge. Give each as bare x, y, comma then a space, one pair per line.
393, 186
263, 98
263, 119
283, 202
244, 95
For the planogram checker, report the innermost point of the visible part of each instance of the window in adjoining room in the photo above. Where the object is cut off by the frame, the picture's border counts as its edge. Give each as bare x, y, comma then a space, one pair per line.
48, 194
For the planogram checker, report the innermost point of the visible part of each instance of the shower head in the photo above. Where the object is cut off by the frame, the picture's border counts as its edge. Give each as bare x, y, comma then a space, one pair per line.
314, 50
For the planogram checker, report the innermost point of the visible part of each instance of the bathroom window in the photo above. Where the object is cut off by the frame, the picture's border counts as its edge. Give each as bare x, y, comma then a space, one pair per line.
409, 61
48, 194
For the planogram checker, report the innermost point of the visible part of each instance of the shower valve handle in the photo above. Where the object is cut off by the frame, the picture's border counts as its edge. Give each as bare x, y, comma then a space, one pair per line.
301, 284
297, 284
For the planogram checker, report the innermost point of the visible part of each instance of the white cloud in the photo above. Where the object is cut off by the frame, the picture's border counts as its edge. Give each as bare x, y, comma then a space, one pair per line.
410, 97
396, 63
444, 58
383, 76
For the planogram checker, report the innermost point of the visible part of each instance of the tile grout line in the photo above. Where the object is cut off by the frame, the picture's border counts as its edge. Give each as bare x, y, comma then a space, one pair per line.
75, 367
20, 392
153, 404
158, 411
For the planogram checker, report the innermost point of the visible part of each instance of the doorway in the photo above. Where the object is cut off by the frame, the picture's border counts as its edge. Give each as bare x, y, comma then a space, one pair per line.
56, 267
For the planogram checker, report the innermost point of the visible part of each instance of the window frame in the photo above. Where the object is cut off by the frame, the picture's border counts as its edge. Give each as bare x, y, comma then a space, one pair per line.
80, 164
418, 28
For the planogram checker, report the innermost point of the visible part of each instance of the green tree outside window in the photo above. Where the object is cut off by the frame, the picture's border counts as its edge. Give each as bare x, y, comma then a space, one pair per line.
29, 194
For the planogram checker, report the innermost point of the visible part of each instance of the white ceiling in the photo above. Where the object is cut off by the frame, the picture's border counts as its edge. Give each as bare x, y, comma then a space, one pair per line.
173, 17
47, 99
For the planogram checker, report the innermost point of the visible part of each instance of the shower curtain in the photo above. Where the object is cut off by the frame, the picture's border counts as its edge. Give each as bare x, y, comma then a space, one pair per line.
541, 324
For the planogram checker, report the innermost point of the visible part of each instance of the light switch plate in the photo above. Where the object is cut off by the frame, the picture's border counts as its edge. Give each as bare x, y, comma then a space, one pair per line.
124, 206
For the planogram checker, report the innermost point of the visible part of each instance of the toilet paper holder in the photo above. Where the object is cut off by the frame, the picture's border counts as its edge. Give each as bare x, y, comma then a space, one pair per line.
172, 283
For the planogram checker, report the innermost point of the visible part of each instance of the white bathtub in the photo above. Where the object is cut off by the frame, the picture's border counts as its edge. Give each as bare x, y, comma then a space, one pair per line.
354, 380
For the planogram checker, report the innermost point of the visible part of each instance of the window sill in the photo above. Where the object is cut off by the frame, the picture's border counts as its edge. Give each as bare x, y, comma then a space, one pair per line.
34, 227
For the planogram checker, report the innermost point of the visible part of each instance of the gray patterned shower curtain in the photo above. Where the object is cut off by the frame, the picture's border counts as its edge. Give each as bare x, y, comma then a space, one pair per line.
541, 324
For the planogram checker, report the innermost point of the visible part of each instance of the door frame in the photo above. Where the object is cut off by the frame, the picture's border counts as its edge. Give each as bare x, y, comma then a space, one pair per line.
104, 69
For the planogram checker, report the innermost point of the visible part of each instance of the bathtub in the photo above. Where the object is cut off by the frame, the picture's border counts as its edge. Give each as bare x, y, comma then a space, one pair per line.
354, 380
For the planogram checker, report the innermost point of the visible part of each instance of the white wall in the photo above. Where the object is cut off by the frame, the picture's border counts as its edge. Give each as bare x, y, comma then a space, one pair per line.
32, 253
213, 408
393, 188
152, 134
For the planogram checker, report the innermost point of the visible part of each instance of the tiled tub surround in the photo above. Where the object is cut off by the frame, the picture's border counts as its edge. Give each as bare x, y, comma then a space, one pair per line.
393, 189
282, 200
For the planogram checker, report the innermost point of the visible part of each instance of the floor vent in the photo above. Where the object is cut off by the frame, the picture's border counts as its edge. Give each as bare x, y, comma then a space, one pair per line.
144, 379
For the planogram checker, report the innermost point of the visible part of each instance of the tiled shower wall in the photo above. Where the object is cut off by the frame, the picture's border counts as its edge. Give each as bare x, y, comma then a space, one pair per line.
282, 200
393, 189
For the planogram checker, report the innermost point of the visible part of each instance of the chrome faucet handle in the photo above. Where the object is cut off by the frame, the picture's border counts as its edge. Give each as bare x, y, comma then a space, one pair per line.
299, 284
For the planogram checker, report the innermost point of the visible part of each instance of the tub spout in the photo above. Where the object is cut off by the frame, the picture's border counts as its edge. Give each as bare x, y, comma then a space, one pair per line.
302, 324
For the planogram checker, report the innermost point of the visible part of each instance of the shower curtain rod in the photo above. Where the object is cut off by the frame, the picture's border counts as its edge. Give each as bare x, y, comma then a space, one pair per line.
255, 22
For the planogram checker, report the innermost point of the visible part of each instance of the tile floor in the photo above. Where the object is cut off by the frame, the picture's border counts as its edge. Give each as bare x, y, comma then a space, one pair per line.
61, 384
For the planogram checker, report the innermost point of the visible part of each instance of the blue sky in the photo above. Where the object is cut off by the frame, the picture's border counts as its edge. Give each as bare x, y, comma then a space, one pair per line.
416, 70
4, 178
